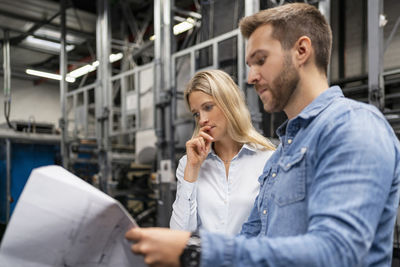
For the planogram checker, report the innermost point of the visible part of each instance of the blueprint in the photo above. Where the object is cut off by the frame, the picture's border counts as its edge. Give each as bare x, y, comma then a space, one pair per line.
62, 221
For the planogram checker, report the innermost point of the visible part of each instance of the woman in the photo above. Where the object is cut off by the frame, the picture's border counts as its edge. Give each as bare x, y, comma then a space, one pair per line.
218, 176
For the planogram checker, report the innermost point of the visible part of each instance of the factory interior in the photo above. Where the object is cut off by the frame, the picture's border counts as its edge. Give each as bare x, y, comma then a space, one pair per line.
96, 86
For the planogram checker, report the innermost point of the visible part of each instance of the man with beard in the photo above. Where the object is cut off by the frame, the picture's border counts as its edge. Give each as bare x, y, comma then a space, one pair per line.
330, 192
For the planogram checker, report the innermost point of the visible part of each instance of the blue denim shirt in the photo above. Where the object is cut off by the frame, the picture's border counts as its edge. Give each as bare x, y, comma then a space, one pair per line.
328, 196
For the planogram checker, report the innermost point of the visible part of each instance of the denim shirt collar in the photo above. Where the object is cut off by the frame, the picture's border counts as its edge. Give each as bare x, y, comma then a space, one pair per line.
312, 110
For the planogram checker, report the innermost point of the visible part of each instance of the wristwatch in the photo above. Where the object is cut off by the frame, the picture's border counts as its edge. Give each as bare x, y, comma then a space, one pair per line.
191, 254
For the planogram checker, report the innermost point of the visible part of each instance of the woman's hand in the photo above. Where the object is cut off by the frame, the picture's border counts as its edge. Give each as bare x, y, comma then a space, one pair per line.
197, 150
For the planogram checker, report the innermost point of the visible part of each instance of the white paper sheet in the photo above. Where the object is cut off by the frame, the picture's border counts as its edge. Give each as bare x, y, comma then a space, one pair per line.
60, 220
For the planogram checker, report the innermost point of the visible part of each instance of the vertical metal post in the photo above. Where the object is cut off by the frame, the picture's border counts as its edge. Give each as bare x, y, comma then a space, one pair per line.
63, 88
103, 92
376, 88
124, 89
86, 107
167, 74
251, 7
7, 67
7, 102
163, 99
8, 178
158, 77
324, 7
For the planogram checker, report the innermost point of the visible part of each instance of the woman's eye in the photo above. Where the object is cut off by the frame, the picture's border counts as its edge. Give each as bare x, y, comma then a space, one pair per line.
208, 107
195, 115
261, 61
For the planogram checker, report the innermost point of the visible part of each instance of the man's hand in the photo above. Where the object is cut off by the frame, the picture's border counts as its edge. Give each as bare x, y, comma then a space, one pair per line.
159, 246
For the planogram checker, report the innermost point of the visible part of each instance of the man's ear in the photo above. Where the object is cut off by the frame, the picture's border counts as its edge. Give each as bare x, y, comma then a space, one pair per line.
302, 50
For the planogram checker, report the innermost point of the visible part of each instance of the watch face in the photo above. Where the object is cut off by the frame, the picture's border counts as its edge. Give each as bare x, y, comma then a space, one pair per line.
191, 254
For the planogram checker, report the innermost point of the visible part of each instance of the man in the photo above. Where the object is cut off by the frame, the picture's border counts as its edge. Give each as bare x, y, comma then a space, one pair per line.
329, 194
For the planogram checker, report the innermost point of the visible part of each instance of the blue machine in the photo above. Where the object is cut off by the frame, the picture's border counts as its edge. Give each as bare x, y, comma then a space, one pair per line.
24, 156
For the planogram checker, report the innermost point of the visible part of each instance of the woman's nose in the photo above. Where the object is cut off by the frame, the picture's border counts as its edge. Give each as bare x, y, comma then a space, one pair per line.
203, 120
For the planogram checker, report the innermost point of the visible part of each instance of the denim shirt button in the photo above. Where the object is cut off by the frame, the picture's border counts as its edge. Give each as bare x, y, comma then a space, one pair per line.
289, 141
274, 174
264, 212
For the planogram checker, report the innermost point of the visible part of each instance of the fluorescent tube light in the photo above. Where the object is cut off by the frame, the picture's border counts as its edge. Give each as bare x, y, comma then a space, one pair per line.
91, 67
82, 70
184, 26
179, 28
71, 77
115, 57
44, 44
49, 75
56, 36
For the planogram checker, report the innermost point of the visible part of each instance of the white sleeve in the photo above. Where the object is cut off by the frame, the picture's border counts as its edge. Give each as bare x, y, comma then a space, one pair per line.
184, 209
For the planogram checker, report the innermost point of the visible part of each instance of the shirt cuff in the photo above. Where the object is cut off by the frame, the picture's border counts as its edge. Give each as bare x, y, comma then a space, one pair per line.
188, 189
216, 249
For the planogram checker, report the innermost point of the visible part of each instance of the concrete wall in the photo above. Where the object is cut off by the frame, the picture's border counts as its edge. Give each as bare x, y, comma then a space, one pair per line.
28, 101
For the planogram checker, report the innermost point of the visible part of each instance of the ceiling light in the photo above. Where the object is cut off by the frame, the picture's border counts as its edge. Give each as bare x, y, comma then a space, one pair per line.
184, 26
179, 28
115, 57
49, 75
71, 77
56, 36
82, 70
91, 67
44, 44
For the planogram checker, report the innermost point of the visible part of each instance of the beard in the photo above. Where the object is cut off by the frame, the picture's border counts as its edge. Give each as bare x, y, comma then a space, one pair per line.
283, 87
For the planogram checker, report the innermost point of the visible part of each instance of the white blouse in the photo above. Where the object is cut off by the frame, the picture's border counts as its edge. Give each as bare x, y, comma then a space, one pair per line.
215, 202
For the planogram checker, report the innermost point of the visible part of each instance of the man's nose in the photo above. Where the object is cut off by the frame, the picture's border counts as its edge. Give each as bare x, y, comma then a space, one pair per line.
253, 76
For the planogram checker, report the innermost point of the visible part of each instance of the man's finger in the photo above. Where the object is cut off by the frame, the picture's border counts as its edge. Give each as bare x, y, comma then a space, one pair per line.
134, 234
136, 249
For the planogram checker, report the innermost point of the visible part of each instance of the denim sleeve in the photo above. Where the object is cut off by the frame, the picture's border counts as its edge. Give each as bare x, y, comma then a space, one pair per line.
352, 179
252, 226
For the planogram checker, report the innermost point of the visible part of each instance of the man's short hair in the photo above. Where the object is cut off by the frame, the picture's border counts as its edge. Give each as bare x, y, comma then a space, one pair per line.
290, 22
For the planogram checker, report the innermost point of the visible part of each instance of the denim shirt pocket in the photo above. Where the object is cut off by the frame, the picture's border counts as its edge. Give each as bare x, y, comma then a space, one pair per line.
290, 183
265, 180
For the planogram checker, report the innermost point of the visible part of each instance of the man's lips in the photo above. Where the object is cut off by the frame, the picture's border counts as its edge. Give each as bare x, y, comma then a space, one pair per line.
261, 90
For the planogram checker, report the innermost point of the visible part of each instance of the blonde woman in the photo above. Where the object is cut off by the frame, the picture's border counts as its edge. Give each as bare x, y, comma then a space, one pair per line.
218, 176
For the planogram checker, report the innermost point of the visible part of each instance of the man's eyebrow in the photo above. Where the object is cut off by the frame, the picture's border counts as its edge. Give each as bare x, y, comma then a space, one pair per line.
253, 55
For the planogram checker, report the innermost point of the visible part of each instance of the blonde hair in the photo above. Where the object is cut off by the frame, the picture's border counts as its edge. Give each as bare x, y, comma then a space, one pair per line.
290, 22
229, 98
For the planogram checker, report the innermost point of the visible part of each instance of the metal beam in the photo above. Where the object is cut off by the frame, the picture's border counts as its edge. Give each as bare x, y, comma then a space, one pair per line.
163, 113
376, 88
103, 92
251, 7
63, 87
16, 40
54, 26
8, 179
